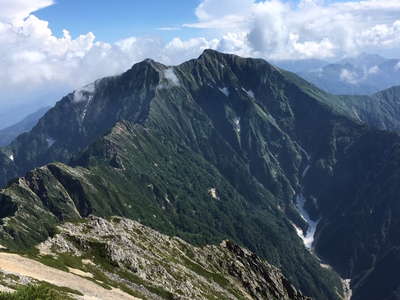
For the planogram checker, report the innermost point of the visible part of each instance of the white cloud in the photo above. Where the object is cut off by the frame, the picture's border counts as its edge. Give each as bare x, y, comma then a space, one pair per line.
385, 35
374, 70
348, 76
277, 29
211, 9
170, 76
397, 66
17, 10
34, 62
169, 28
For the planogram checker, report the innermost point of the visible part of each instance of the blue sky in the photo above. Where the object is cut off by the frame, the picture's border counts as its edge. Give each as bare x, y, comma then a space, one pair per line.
121, 18
40, 61
112, 21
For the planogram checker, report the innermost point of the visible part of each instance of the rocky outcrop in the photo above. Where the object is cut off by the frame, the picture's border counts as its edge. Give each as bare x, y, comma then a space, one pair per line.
214, 149
141, 256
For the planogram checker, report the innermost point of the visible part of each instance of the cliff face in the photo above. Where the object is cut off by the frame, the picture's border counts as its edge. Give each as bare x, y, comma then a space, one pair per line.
216, 148
133, 173
153, 265
213, 150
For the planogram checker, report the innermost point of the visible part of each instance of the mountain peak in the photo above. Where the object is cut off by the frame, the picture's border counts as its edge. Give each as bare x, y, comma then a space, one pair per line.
214, 54
149, 63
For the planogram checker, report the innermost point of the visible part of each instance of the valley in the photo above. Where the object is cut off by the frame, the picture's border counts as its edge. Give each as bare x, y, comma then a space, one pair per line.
217, 148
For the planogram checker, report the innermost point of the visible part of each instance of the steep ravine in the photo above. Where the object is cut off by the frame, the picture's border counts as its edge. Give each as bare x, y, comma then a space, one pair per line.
214, 149
308, 234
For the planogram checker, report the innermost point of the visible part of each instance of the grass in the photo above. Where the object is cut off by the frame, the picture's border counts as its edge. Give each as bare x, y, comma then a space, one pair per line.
61, 262
219, 279
38, 292
153, 289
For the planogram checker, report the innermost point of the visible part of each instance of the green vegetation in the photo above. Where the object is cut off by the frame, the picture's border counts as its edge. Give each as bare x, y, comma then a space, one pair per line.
221, 280
37, 292
165, 148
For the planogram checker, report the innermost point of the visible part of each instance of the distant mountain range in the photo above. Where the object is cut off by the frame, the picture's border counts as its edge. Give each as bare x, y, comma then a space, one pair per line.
361, 75
8, 134
220, 147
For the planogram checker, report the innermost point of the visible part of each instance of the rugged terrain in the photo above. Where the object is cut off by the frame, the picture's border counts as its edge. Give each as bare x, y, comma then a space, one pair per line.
380, 110
360, 75
8, 134
122, 259
216, 148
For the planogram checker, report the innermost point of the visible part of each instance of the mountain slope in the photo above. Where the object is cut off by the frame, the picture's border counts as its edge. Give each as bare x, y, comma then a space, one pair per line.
218, 147
130, 173
10, 133
380, 110
359, 214
361, 75
157, 266
213, 145
122, 259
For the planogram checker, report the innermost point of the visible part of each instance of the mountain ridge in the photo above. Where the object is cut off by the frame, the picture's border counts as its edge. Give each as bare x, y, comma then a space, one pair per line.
216, 147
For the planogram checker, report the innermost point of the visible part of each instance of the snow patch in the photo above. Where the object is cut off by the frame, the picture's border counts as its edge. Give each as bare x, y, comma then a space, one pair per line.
85, 94
11, 157
50, 141
225, 91
325, 266
250, 93
213, 193
308, 236
170, 76
356, 114
347, 289
305, 171
236, 123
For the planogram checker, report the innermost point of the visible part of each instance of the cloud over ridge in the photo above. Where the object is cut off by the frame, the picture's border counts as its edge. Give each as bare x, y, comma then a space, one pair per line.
34, 59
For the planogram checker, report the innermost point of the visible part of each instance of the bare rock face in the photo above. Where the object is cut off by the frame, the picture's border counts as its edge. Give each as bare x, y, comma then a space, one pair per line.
156, 266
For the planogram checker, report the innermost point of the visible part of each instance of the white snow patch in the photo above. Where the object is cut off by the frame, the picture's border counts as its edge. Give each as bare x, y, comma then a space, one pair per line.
225, 91
299, 231
167, 199
85, 94
250, 93
305, 171
169, 74
236, 121
308, 237
11, 157
356, 114
213, 193
50, 141
347, 289
325, 266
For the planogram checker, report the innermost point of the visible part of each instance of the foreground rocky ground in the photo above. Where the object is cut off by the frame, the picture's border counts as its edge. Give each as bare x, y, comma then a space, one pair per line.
122, 259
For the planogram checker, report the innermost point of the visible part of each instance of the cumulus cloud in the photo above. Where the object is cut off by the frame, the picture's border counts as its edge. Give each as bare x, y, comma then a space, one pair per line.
278, 29
169, 28
374, 70
34, 61
349, 76
17, 10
